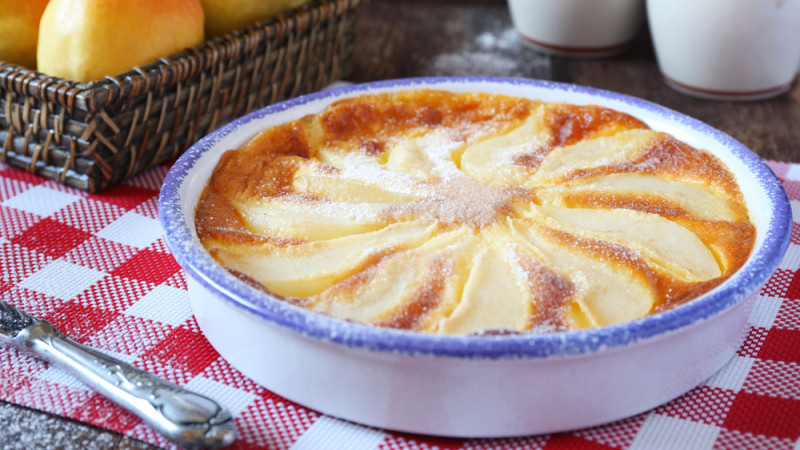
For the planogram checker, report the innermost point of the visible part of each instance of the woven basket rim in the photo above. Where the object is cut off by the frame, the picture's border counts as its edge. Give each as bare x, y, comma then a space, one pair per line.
167, 70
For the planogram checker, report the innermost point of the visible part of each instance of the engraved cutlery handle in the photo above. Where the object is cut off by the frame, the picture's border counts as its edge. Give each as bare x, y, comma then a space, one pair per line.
184, 417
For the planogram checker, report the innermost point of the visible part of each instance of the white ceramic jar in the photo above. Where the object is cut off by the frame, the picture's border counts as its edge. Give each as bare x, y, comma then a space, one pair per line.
584, 28
727, 49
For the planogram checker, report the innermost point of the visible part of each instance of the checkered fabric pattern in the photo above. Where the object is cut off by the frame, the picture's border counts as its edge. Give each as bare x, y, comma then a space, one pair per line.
96, 265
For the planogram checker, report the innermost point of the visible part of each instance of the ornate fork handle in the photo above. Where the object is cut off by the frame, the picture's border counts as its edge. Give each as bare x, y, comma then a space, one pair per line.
186, 418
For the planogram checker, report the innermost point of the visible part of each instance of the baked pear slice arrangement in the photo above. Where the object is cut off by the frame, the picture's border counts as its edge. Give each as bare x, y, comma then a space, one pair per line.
475, 214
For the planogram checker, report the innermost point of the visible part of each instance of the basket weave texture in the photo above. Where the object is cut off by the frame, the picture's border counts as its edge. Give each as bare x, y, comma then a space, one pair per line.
92, 136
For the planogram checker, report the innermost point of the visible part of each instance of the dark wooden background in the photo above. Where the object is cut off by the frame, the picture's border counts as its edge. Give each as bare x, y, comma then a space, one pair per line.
408, 38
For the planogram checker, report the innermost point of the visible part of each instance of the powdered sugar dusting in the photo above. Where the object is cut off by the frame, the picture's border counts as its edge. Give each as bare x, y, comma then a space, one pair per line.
463, 200
388, 180
448, 200
551, 291
505, 40
355, 212
498, 52
445, 194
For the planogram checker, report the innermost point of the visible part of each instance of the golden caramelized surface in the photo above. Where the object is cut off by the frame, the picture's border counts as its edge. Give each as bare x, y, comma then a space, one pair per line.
466, 213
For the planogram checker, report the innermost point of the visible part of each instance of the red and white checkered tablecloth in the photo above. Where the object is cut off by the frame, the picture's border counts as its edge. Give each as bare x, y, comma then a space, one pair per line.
96, 265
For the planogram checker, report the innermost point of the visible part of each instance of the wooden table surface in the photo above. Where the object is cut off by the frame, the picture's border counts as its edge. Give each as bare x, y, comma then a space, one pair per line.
407, 38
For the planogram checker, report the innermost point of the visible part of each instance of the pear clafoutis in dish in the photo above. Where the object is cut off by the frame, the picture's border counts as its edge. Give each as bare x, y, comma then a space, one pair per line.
470, 213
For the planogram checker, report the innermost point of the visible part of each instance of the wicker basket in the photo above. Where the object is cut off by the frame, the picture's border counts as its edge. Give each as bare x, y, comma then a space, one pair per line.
92, 136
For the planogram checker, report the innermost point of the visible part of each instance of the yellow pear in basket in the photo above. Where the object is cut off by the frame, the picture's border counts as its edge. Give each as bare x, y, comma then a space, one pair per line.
86, 40
223, 16
19, 26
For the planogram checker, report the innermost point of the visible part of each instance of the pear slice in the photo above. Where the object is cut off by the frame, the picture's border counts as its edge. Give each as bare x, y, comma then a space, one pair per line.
492, 159
338, 185
699, 201
406, 287
611, 289
658, 239
308, 269
494, 297
310, 219
368, 170
510, 287
425, 154
592, 153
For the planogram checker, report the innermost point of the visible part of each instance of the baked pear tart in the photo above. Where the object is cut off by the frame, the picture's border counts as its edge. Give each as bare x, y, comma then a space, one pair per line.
473, 213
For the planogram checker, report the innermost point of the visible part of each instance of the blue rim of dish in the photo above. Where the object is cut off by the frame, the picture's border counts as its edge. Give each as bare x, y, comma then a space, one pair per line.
199, 264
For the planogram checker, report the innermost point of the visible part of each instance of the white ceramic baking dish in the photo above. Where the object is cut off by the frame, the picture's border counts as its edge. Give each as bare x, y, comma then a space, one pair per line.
473, 386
